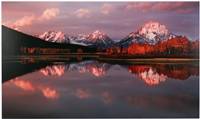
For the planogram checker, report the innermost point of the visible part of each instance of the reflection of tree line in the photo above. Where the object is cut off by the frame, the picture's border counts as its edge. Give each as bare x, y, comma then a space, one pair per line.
176, 71
154, 74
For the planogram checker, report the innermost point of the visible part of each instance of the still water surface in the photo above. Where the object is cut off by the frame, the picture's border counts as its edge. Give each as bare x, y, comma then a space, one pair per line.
97, 89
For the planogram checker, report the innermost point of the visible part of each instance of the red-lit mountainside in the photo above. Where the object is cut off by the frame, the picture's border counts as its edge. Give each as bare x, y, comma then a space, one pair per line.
154, 40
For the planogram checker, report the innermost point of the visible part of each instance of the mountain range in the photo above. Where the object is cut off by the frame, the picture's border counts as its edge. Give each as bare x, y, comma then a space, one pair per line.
151, 40
95, 39
150, 33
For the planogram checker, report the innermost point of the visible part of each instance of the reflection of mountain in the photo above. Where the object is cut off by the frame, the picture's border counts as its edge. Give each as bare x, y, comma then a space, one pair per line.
55, 70
21, 65
154, 74
93, 67
151, 77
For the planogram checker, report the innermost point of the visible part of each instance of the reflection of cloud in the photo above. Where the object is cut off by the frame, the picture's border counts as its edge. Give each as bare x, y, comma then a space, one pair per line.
107, 98
82, 94
152, 77
49, 93
106, 9
25, 85
56, 70
82, 13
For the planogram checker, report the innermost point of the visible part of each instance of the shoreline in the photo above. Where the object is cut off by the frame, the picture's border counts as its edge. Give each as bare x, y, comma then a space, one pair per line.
150, 59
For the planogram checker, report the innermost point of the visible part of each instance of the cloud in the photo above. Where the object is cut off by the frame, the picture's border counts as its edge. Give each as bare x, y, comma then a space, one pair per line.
81, 13
139, 6
178, 7
106, 9
24, 21
49, 14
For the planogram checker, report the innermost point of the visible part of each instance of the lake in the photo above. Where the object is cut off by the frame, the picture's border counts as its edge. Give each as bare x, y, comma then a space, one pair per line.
92, 88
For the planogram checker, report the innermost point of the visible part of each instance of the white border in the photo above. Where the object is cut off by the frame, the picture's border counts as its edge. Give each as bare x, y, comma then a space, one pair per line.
75, 1
100, 0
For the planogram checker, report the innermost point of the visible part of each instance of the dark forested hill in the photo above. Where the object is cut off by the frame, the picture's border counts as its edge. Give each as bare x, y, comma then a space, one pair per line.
13, 42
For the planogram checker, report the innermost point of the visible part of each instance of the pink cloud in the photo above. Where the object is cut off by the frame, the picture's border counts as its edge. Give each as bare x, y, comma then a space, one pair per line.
49, 14
139, 6
24, 21
178, 7
81, 13
106, 9
184, 11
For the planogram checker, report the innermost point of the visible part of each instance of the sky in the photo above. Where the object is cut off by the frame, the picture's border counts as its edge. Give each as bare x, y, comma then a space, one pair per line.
116, 19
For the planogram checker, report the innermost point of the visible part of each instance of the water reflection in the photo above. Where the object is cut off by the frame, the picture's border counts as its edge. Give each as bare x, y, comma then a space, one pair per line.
153, 74
82, 93
55, 70
93, 67
157, 73
107, 97
29, 86
23, 84
172, 90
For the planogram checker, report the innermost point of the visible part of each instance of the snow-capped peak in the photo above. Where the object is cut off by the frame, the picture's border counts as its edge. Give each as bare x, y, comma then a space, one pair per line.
99, 39
96, 38
151, 29
150, 33
54, 36
97, 35
154, 27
